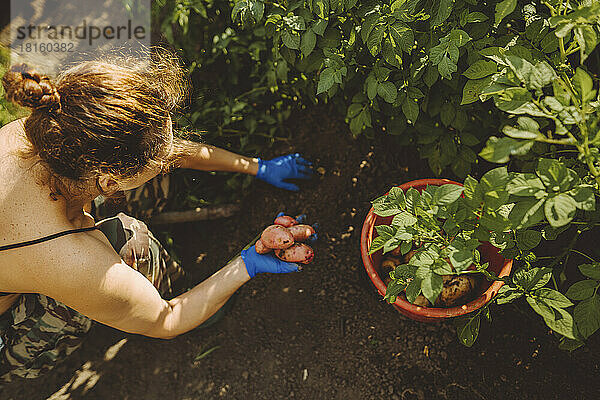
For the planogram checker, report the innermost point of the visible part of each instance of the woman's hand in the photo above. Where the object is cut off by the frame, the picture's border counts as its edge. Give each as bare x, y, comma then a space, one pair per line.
259, 263
277, 170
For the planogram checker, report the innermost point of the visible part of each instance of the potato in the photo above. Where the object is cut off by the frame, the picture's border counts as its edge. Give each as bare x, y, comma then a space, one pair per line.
298, 253
260, 247
395, 260
389, 264
455, 289
277, 237
285, 220
422, 301
396, 252
301, 232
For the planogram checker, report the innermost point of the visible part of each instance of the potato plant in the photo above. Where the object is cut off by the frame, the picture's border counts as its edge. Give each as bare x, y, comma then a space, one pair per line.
444, 76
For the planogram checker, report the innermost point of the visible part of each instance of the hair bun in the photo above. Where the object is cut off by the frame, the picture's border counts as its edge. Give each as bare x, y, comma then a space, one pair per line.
28, 88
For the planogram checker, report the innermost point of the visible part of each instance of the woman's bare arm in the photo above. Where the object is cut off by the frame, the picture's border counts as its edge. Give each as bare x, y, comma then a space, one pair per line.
205, 157
88, 276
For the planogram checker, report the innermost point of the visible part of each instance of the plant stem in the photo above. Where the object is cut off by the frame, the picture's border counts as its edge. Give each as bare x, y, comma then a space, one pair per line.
568, 249
249, 92
583, 255
561, 47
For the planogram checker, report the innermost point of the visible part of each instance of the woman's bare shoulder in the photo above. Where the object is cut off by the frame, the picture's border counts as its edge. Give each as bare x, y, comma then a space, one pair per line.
34, 268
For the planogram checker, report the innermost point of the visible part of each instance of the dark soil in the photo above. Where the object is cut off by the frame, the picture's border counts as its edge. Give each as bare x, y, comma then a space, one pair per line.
323, 333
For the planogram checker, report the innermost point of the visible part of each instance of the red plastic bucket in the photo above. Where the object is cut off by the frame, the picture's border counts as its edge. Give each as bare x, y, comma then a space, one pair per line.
489, 253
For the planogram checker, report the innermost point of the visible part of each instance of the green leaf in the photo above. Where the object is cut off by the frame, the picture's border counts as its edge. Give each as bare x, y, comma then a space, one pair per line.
507, 294
372, 84
447, 194
584, 85
447, 113
353, 110
480, 69
503, 9
561, 323
436, 53
381, 73
320, 26
385, 231
375, 38
541, 76
321, 8
526, 213
526, 185
430, 76
309, 40
394, 288
499, 150
587, 39
528, 239
541, 308
413, 289
473, 88
388, 91
405, 247
567, 344
431, 283
560, 209
459, 37
410, 108
584, 198
397, 197
476, 17
325, 80
383, 207
377, 244
390, 53
528, 129
517, 100
404, 219
441, 12
587, 316
403, 36
532, 278
553, 298
446, 67
555, 175
582, 290
467, 329
291, 40
590, 270
461, 259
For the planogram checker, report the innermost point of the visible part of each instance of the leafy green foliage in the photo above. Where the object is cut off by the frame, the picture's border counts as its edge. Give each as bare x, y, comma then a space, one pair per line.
8, 111
440, 224
515, 77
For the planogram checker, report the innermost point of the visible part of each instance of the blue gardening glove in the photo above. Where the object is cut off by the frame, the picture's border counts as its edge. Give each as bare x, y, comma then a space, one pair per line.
259, 263
275, 171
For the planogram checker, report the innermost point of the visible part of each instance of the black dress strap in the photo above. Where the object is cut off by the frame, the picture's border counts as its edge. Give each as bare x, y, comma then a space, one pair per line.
46, 238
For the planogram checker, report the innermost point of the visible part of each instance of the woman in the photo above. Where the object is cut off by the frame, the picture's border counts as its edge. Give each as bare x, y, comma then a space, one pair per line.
102, 127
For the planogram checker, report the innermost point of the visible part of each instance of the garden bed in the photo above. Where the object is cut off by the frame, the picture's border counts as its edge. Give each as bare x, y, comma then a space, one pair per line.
323, 333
